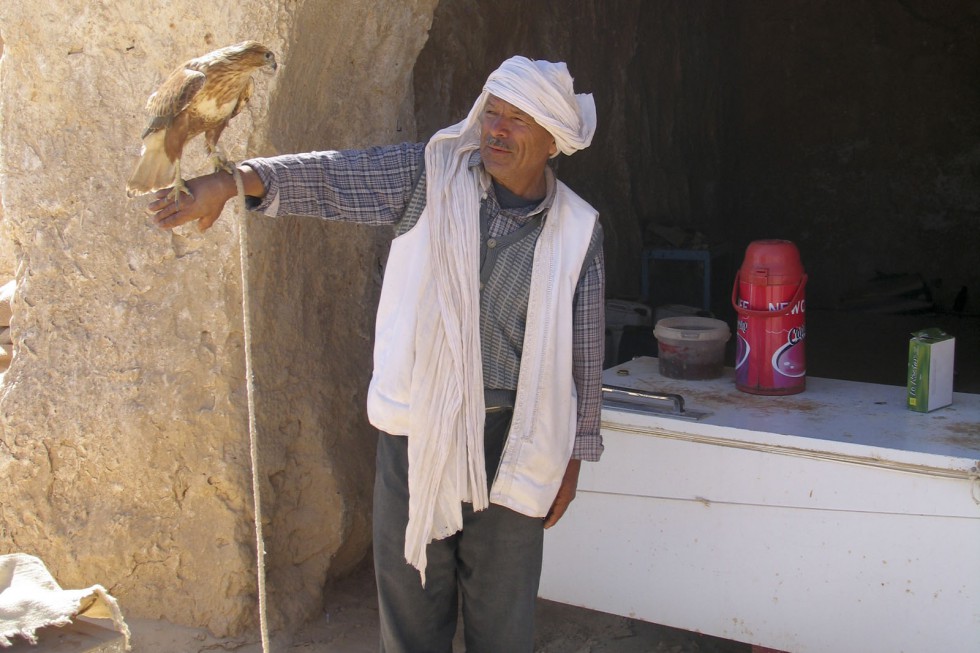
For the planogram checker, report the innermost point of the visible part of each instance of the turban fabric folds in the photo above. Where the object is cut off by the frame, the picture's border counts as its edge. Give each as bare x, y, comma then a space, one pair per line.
544, 91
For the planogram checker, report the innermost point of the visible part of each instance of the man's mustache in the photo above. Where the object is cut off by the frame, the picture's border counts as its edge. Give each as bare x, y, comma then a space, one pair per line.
497, 143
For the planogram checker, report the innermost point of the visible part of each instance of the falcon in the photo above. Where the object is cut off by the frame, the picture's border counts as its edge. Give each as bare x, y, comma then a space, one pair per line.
200, 97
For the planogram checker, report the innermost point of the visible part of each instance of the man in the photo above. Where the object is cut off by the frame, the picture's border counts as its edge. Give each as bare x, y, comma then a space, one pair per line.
488, 346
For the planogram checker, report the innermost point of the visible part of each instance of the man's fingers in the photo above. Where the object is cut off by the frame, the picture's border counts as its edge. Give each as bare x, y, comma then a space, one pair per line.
558, 508
168, 212
160, 202
566, 493
170, 216
555, 514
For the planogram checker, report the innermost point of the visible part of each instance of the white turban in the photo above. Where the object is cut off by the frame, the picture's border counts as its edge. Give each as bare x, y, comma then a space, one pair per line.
445, 434
544, 91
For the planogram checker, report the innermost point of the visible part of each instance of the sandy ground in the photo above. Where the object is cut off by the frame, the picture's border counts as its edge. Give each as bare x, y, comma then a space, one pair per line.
349, 624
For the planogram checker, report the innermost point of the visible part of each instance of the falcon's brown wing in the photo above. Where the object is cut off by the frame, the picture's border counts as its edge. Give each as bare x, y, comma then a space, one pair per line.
173, 96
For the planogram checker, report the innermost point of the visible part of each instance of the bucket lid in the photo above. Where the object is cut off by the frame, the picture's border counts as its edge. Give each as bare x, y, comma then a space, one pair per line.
691, 327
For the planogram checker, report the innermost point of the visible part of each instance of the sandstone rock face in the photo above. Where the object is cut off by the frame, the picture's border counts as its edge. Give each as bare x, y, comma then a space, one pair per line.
7, 256
124, 451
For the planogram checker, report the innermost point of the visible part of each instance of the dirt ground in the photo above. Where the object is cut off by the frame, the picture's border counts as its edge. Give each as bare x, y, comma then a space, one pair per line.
349, 624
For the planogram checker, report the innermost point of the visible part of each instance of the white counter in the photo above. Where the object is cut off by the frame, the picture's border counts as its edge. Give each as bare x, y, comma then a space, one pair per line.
832, 520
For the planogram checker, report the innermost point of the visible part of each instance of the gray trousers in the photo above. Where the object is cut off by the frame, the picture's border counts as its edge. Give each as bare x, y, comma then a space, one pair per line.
492, 566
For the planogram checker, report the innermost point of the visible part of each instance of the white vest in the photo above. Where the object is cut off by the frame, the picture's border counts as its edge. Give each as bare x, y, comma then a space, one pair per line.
542, 432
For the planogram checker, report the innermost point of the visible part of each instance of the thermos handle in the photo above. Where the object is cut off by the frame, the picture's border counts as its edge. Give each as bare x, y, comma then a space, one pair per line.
756, 313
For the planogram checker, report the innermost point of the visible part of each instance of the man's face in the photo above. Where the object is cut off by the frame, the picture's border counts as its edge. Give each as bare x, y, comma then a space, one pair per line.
514, 148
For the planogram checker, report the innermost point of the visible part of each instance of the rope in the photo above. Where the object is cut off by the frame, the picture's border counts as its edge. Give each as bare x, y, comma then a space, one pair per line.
250, 394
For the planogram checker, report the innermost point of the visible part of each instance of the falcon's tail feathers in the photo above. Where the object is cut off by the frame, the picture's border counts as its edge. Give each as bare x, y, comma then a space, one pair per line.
154, 170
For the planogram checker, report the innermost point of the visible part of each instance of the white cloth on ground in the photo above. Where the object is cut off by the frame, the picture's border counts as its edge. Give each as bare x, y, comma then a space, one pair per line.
31, 599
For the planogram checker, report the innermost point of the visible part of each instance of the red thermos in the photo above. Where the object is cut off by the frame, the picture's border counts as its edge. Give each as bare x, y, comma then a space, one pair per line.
770, 356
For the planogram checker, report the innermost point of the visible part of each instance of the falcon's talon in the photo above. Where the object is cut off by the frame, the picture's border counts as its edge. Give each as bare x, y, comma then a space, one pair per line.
174, 194
221, 163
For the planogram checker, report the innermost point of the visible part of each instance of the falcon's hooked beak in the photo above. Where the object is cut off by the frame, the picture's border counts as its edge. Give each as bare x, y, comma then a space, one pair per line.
271, 64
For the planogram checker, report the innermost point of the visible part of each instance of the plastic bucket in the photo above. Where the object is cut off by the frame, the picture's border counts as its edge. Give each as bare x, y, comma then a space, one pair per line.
691, 347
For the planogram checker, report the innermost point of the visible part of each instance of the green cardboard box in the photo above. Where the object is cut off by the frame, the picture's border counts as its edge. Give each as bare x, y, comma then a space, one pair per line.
930, 383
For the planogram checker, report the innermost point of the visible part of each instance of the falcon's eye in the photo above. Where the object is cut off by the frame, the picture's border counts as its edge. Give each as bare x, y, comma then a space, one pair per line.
268, 55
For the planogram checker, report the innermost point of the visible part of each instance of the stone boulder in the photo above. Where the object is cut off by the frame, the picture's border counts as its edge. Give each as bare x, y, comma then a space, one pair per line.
124, 427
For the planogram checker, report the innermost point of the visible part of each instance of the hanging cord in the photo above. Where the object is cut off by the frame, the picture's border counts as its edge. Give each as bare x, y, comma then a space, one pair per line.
250, 394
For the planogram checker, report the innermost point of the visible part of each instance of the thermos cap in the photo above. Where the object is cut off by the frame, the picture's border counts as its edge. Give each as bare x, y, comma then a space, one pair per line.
772, 263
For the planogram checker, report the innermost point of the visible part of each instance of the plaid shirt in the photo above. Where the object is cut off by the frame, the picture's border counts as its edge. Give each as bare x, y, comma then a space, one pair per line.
373, 187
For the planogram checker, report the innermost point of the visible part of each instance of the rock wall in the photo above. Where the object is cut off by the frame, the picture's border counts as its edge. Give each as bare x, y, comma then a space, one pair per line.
8, 259
124, 450
852, 133
349, 85
855, 134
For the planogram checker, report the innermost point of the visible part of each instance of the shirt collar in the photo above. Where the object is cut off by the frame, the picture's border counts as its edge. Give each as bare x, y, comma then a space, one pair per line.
485, 182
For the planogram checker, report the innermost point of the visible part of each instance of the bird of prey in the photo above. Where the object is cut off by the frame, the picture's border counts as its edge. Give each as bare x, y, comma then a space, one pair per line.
200, 96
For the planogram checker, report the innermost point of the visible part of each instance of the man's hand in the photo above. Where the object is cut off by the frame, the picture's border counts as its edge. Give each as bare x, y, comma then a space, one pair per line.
566, 493
206, 201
